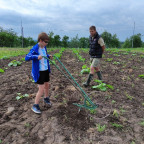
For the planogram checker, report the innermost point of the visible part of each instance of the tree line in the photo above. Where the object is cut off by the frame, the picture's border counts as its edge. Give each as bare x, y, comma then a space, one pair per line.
8, 38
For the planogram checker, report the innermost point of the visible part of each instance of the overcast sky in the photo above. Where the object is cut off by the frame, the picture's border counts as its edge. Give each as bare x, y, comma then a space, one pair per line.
71, 17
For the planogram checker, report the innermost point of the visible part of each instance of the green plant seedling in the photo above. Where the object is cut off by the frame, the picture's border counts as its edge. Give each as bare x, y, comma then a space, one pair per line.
20, 96
85, 71
27, 125
117, 63
113, 101
125, 53
108, 97
1, 70
84, 67
56, 96
116, 55
142, 123
132, 142
122, 110
110, 87
141, 76
93, 111
102, 86
115, 113
134, 54
32, 80
101, 128
117, 125
109, 59
5, 68
22, 59
14, 63
129, 97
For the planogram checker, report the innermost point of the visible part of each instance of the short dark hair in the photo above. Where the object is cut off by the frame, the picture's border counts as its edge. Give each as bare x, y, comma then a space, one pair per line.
92, 28
43, 36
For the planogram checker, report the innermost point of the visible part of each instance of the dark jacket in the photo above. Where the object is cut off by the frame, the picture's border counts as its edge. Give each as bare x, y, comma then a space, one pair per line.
33, 55
95, 48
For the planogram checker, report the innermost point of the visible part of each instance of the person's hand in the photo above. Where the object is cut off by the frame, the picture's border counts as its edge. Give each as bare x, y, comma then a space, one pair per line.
51, 57
39, 57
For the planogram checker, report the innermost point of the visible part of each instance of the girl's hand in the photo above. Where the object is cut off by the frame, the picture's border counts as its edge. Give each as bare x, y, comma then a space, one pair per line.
39, 57
51, 57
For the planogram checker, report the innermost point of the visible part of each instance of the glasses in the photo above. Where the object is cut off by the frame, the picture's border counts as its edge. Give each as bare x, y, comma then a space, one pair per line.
46, 41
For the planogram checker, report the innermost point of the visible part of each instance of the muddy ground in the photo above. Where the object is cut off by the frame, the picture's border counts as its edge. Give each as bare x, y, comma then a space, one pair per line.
63, 123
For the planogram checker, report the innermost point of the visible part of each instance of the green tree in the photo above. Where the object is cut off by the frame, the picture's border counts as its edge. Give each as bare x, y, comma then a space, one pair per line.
115, 41
51, 39
84, 42
137, 42
57, 41
65, 41
107, 38
74, 43
110, 40
127, 43
8, 38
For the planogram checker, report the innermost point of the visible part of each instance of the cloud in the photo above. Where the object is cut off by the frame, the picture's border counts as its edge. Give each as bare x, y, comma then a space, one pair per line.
73, 17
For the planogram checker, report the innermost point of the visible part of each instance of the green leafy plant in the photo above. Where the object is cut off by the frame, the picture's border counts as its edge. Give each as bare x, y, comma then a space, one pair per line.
32, 80
115, 113
108, 97
14, 63
110, 87
76, 52
102, 86
141, 76
85, 69
125, 53
109, 59
122, 110
113, 101
142, 123
134, 54
27, 125
20, 96
132, 142
0, 141
116, 55
22, 59
117, 125
117, 63
1, 70
141, 56
5, 68
101, 128
5, 57
93, 111
129, 97
58, 55
64, 101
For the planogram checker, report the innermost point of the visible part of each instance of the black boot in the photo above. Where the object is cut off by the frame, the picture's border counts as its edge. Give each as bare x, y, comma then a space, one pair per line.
99, 75
86, 84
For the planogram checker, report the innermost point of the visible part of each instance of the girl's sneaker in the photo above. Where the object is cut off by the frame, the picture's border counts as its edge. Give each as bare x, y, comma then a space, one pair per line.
35, 108
47, 101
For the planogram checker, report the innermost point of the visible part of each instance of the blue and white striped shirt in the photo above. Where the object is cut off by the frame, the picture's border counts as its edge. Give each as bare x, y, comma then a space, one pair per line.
43, 65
